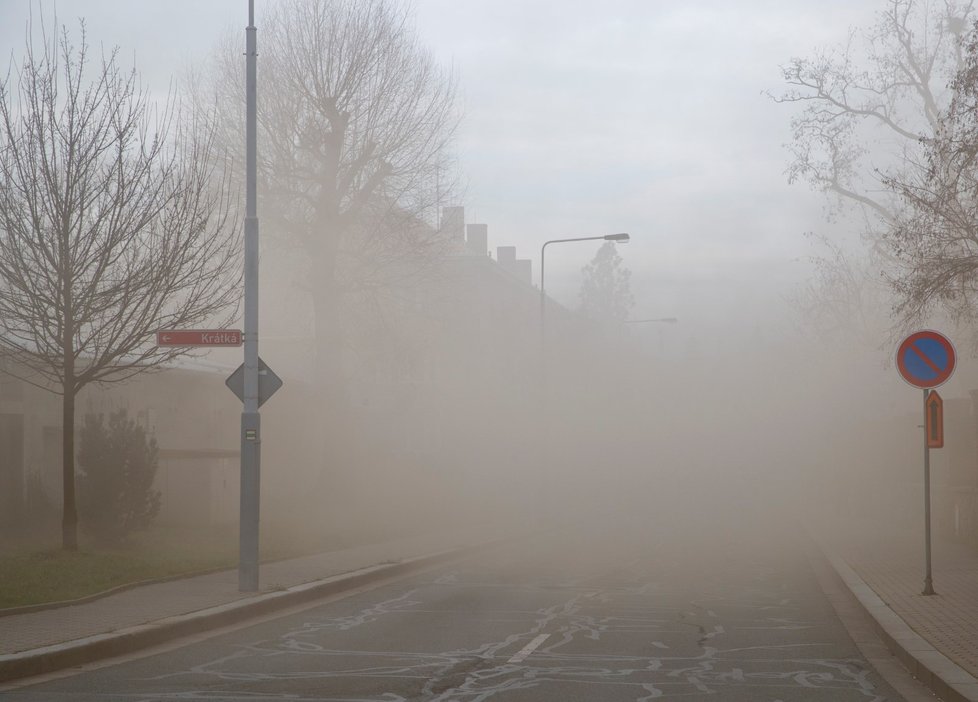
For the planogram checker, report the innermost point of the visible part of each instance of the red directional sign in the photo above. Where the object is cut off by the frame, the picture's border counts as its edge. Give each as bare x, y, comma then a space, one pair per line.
925, 359
198, 337
934, 420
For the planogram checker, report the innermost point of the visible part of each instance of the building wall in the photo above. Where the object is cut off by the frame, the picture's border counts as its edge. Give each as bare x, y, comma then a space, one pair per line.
193, 416
11, 468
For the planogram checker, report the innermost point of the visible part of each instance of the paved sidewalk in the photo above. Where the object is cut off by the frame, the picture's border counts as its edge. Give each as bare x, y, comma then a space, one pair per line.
890, 563
23, 634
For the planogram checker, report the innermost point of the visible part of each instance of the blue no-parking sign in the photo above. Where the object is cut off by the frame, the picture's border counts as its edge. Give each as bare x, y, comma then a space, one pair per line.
926, 359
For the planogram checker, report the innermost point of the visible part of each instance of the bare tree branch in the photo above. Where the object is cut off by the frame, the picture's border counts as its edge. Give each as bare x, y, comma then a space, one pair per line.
936, 238
356, 124
115, 221
870, 110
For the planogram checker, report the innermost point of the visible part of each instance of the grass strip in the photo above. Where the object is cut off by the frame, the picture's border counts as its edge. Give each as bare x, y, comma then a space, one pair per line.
55, 575
34, 574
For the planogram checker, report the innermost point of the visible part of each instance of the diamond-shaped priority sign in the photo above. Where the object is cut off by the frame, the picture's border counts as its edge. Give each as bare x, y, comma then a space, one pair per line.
926, 359
268, 382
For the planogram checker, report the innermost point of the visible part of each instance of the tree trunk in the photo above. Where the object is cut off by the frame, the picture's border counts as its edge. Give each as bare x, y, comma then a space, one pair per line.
69, 519
329, 357
69, 512
325, 300
334, 421
328, 336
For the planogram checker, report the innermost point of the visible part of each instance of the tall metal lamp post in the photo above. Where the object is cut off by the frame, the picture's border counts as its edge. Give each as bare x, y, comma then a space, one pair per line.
253, 382
250, 418
543, 340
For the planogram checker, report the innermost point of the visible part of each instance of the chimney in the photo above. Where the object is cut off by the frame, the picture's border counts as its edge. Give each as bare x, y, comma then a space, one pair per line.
477, 239
522, 268
506, 256
453, 224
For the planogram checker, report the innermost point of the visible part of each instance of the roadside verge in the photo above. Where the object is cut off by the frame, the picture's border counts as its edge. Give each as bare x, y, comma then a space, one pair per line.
77, 652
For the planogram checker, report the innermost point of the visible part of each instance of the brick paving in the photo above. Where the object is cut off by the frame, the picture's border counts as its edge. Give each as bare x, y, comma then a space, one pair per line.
24, 632
892, 564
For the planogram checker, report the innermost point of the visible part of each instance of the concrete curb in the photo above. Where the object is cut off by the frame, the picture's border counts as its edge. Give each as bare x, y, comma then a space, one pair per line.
49, 659
944, 677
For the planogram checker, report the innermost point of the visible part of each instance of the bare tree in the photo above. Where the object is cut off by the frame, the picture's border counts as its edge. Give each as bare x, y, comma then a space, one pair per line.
842, 299
356, 122
868, 110
606, 292
868, 104
113, 224
936, 234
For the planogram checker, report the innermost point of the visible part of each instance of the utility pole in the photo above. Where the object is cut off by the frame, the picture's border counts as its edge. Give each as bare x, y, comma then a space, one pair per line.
250, 418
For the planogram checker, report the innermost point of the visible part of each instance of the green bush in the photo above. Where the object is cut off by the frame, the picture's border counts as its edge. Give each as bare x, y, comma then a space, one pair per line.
118, 462
41, 511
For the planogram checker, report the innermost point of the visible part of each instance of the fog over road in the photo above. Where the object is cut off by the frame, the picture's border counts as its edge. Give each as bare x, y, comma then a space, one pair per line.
666, 605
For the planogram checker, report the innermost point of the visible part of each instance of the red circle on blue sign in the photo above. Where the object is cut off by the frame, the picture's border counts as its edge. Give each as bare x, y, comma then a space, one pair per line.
925, 359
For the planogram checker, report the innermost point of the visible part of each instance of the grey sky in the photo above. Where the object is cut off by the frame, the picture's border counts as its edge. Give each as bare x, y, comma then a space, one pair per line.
649, 117
584, 118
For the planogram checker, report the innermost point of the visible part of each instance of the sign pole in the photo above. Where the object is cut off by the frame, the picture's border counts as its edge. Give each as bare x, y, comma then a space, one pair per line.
250, 418
928, 579
926, 360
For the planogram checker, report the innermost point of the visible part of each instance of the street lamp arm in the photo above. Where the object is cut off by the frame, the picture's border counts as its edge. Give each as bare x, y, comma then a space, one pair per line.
606, 237
581, 238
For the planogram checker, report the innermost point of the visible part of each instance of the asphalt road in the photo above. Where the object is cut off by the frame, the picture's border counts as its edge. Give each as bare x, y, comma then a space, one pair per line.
680, 607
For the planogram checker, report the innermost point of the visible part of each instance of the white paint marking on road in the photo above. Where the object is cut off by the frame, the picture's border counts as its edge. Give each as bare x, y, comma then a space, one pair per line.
529, 648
